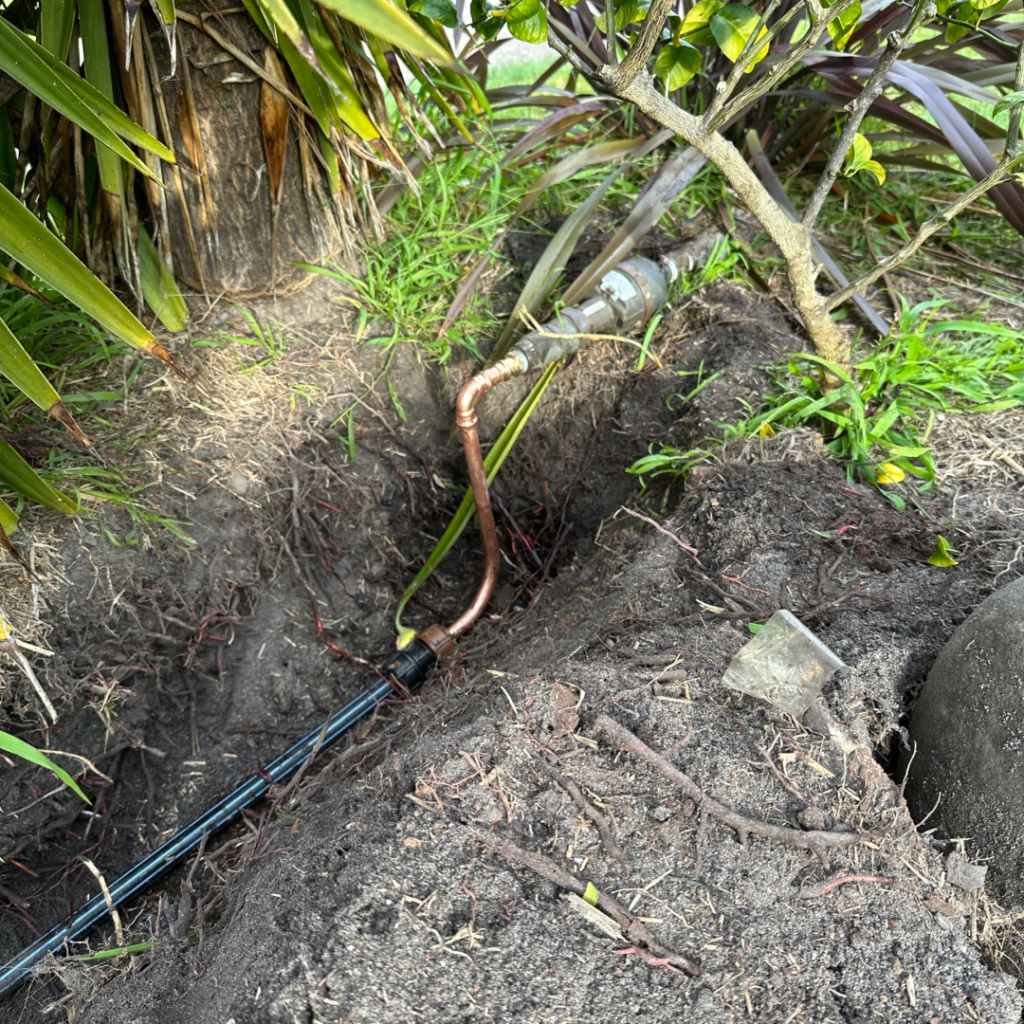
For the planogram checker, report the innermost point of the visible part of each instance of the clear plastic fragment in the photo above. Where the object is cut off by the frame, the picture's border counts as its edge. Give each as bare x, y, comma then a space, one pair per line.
785, 664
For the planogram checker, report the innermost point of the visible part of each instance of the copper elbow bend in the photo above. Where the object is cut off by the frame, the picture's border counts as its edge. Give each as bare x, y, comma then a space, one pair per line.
466, 420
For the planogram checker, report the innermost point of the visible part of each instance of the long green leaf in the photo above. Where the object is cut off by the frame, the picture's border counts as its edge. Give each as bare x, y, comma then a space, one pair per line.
19, 748
551, 263
159, 288
31, 244
8, 519
169, 17
494, 461
20, 369
670, 179
345, 101
17, 474
168, 14
311, 85
56, 22
602, 152
96, 50
388, 21
278, 12
56, 84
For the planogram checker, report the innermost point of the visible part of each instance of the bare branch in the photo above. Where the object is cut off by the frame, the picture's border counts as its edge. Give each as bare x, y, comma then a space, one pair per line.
618, 735
1005, 167
819, 18
818, 251
569, 45
791, 238
610, 44
753, 45
894, 46
1013, 126
636, 60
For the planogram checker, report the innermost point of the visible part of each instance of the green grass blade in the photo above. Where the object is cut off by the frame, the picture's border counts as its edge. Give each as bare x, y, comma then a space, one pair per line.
19, 748
494, 461
831, 367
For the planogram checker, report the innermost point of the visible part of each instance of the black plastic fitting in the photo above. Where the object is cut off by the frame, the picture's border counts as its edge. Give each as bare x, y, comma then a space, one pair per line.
410, 668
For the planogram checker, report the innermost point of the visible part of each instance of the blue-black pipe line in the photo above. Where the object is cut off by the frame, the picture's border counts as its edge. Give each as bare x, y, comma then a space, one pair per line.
404, 674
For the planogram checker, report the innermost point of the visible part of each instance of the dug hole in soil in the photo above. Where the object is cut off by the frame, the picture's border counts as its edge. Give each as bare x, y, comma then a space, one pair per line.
419, 872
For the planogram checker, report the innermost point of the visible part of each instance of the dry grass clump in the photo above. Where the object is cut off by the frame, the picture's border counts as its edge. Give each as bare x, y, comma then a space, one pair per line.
985, 449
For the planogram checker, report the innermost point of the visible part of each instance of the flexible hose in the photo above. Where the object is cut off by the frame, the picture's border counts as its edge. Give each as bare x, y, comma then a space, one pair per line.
402, 674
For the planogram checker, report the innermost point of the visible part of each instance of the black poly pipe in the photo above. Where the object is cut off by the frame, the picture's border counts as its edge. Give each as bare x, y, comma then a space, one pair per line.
408, 669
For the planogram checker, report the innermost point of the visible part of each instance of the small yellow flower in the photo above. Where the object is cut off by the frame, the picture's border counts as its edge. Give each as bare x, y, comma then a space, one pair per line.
766, 430
889, 473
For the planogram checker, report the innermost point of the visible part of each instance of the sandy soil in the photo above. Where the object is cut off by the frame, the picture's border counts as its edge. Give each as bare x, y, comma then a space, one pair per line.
430, 868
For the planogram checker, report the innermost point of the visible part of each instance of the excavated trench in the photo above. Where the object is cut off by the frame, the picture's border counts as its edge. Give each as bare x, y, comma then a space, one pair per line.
377, 888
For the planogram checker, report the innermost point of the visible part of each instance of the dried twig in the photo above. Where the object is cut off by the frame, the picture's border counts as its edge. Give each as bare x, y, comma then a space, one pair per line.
858, 108
617, 735
114, 915
786, 782
1002, 453
7, 645
603, 826
659, 528
839, 878
632, 928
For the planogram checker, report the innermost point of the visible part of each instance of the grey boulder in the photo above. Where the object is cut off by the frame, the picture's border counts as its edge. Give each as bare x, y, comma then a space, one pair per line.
969, 729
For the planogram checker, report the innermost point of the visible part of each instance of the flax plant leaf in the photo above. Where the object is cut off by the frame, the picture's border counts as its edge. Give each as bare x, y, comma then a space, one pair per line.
390, 22
19, 748
57, 85
31, 244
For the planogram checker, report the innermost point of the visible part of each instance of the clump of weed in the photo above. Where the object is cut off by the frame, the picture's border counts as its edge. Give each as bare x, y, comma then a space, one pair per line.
435, 239
878, 420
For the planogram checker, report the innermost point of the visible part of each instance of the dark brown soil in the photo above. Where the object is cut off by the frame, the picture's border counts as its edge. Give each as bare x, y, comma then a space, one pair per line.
371, 892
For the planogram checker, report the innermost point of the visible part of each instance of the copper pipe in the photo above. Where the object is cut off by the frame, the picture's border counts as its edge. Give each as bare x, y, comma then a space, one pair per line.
466, 420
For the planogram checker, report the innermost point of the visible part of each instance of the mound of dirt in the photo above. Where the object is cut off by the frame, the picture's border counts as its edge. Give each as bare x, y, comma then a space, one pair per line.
432, 868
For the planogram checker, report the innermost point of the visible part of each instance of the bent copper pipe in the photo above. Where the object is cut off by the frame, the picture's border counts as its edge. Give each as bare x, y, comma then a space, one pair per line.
466, 420
441, 638
625, 297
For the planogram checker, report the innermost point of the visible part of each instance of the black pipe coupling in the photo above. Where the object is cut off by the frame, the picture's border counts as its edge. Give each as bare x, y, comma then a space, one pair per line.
410, 668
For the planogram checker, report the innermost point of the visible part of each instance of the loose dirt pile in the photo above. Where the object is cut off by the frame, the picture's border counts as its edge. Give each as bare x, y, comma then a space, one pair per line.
431, 869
